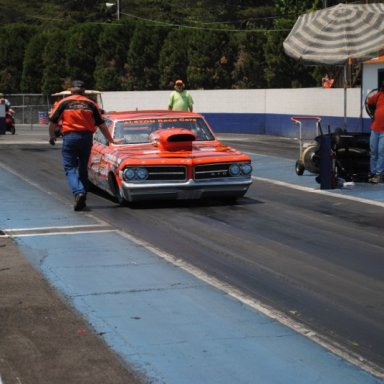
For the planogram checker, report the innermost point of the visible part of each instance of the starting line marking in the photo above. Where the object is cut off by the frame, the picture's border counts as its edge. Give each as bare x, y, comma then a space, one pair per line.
52, 231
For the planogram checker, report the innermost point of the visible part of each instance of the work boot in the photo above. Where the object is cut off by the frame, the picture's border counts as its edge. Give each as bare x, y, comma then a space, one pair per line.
80, 202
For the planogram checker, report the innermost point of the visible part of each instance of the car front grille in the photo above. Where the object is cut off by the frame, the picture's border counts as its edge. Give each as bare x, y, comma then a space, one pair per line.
176, 173
211, 171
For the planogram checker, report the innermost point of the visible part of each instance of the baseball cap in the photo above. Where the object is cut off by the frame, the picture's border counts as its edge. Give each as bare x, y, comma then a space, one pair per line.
179, 82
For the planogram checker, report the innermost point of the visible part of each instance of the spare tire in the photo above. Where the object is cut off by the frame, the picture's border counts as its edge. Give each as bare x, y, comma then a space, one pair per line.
369, 108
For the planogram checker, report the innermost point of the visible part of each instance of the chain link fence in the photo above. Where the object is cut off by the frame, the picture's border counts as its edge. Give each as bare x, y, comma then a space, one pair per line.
30, 109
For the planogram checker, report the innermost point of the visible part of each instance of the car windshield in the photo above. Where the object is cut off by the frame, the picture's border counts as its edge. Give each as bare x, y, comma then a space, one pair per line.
138, 131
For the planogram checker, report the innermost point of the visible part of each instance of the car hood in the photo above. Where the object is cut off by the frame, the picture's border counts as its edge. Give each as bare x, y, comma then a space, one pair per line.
175, 146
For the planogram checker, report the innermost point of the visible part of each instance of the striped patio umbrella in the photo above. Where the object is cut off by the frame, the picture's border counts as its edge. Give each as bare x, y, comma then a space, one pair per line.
338, 35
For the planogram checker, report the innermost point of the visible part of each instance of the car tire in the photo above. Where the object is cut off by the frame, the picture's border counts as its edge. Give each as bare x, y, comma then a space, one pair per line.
299, 168
116, 190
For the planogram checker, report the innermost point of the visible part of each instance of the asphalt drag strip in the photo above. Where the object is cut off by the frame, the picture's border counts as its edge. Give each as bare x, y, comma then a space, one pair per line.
167, 321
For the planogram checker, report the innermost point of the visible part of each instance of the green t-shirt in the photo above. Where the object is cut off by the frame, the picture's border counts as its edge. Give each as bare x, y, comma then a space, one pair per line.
180, 101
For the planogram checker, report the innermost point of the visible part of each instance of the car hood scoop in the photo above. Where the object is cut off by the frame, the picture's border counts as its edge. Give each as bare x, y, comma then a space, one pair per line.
173, 139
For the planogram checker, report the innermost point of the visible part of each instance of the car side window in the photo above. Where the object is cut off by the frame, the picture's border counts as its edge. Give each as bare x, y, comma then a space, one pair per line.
131, 133
96, 137
99, 137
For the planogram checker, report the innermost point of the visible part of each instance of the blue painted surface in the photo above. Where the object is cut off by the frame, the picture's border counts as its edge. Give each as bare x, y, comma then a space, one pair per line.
19, 199
252, 123
283, 170
165, 322
277, 124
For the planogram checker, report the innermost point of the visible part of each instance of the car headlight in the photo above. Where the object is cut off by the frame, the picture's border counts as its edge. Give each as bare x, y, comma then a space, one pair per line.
246, 169
234, 170
142, 173
129, 174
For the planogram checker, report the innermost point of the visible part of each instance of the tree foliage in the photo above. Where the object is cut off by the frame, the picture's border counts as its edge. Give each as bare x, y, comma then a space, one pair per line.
211, 44
143, 57
173, 59
113, 45
32, 66
55, 74
81, 52
15, 39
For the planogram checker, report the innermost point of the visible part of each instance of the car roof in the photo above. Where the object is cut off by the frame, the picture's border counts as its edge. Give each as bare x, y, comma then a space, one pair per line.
87, 92
149, 114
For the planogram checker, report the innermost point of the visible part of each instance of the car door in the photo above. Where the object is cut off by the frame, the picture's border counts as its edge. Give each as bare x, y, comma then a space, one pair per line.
97, 164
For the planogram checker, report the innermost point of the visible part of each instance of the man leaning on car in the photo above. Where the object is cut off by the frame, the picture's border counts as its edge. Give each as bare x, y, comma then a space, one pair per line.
79, 117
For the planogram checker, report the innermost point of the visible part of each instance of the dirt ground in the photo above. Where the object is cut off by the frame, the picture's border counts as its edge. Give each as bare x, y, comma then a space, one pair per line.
42, 341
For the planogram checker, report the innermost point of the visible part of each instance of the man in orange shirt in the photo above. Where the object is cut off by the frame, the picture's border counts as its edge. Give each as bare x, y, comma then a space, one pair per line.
376, 142
327, 81
79, 117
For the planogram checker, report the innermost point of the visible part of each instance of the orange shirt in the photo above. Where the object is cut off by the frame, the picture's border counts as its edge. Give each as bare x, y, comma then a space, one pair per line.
77, 113
378, 119
328, 83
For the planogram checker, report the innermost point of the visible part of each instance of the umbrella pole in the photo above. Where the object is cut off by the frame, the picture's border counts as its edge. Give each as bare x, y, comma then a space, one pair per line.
345, 96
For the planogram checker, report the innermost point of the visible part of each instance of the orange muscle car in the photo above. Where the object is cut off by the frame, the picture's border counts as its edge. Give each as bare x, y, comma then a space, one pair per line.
166, 155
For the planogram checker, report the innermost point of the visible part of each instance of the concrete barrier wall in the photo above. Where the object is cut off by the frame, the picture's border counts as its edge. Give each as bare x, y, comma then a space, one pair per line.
259, 111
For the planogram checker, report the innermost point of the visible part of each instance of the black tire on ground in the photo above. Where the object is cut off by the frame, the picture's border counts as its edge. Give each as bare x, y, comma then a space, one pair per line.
299, 168
116, 190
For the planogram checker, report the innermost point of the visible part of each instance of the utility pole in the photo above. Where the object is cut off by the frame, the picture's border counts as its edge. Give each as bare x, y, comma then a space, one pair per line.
117, 5
118, 9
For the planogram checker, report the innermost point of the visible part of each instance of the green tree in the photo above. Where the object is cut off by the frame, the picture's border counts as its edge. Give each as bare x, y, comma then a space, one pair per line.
14, 39
250, 62
79, 11
55, 74
81, 52
142, 69
211, 59
281, 71
292, 8
196, 51
110, 62
173, 58
32, 65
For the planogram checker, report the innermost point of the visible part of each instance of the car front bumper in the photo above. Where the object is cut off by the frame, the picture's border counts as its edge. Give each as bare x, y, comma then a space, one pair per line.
189, 190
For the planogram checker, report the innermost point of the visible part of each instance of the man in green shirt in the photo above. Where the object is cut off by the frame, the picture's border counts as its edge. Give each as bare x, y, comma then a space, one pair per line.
180, 99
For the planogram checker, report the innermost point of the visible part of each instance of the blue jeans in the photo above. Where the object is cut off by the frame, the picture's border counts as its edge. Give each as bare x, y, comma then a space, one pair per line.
76, 150
376, 144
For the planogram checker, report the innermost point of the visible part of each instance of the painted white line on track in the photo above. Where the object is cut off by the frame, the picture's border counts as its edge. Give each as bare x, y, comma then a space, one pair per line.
15, 235
320, 191
57, 230
35, 229
23, 142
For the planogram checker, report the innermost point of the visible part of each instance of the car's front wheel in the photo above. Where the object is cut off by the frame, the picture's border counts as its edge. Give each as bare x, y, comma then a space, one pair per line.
116, 190
299, 168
